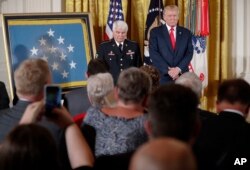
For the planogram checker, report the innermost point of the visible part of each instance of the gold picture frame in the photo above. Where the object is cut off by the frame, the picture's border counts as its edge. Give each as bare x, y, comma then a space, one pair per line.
65, 40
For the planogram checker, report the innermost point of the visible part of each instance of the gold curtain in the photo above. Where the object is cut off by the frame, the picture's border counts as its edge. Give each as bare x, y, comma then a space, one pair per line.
135, 13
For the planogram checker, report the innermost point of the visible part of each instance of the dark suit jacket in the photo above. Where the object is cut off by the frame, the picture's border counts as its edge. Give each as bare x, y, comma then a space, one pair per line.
9, 118
162, 53
205, 115
113, 162
222, 140
77, 101
117, 60
4, 98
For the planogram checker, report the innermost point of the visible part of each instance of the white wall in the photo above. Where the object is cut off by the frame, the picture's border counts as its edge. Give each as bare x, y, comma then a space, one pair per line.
22, 6
241, 38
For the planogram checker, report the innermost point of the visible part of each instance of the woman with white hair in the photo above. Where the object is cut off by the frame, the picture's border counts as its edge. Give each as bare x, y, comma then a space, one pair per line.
99, 86
120, 129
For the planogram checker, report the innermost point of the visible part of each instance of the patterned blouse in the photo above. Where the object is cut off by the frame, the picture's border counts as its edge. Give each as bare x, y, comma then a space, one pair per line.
115, 135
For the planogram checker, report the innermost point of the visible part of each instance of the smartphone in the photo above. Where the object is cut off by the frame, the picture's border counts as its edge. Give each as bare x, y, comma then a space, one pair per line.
52, 97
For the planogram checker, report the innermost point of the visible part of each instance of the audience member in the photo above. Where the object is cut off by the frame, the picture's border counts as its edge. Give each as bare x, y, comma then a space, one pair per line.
153, 73
31, 147
163, 154
172, 112
170, 46
76, 101
4, 98
226, 138
119, 53
192, 81
99, 86
120, 129
30, 78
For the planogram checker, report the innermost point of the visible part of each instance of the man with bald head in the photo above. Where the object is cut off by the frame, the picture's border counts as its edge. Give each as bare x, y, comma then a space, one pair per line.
163, 154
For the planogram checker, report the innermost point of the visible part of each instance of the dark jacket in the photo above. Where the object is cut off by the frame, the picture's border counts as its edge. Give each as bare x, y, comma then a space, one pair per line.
77, 101
222, 140
117, 60
4, 98
162, 53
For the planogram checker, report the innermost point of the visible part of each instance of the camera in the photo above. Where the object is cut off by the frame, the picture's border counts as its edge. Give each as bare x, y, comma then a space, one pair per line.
52, 97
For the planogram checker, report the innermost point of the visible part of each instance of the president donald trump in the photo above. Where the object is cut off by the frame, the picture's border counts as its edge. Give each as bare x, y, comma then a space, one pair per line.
170, 46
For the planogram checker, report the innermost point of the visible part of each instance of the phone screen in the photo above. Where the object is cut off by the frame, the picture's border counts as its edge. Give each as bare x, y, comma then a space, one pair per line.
52, 97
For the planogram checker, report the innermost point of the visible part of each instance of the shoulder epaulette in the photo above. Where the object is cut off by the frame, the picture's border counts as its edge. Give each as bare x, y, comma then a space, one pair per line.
106, 41
131, 41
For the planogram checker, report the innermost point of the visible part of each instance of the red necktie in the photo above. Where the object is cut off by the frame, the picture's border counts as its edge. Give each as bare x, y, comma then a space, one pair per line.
172, 37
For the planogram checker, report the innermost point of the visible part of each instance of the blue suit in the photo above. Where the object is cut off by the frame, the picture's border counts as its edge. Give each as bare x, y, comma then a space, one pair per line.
164, 56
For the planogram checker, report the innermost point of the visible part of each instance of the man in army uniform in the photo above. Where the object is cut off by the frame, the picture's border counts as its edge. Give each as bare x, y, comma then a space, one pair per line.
119, 53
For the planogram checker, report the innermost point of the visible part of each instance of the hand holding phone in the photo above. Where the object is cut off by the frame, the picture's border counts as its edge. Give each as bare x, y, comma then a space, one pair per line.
52, 97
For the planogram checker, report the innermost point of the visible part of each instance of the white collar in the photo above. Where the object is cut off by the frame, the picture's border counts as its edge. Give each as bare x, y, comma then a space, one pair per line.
23, 99
170, 27
235, 111
119, 43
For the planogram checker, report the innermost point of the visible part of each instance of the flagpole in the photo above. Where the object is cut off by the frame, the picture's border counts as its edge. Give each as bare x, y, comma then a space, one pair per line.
114, 13
159, 12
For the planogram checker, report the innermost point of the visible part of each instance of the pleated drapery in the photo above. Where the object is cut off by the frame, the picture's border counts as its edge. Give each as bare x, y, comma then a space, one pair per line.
135, 13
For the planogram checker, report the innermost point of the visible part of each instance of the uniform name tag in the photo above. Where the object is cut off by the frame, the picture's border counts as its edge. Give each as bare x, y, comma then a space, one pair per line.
111, 53
130, 52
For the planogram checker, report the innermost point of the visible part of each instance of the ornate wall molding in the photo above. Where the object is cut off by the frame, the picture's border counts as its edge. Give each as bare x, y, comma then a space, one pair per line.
30, 6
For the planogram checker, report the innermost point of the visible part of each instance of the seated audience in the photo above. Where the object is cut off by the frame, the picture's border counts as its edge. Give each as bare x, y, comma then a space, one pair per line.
31, 147
30, 78
153, 73
76, 101
224, 139
192, 81
4, 98
163, 154
172, 110
120, 129
99, 87
100, 93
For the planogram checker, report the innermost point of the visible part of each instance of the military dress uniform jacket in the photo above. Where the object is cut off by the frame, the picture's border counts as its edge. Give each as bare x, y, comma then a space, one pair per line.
118, 60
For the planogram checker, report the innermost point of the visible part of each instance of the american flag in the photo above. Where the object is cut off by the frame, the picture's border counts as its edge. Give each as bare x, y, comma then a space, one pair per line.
115, 13
61, 45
